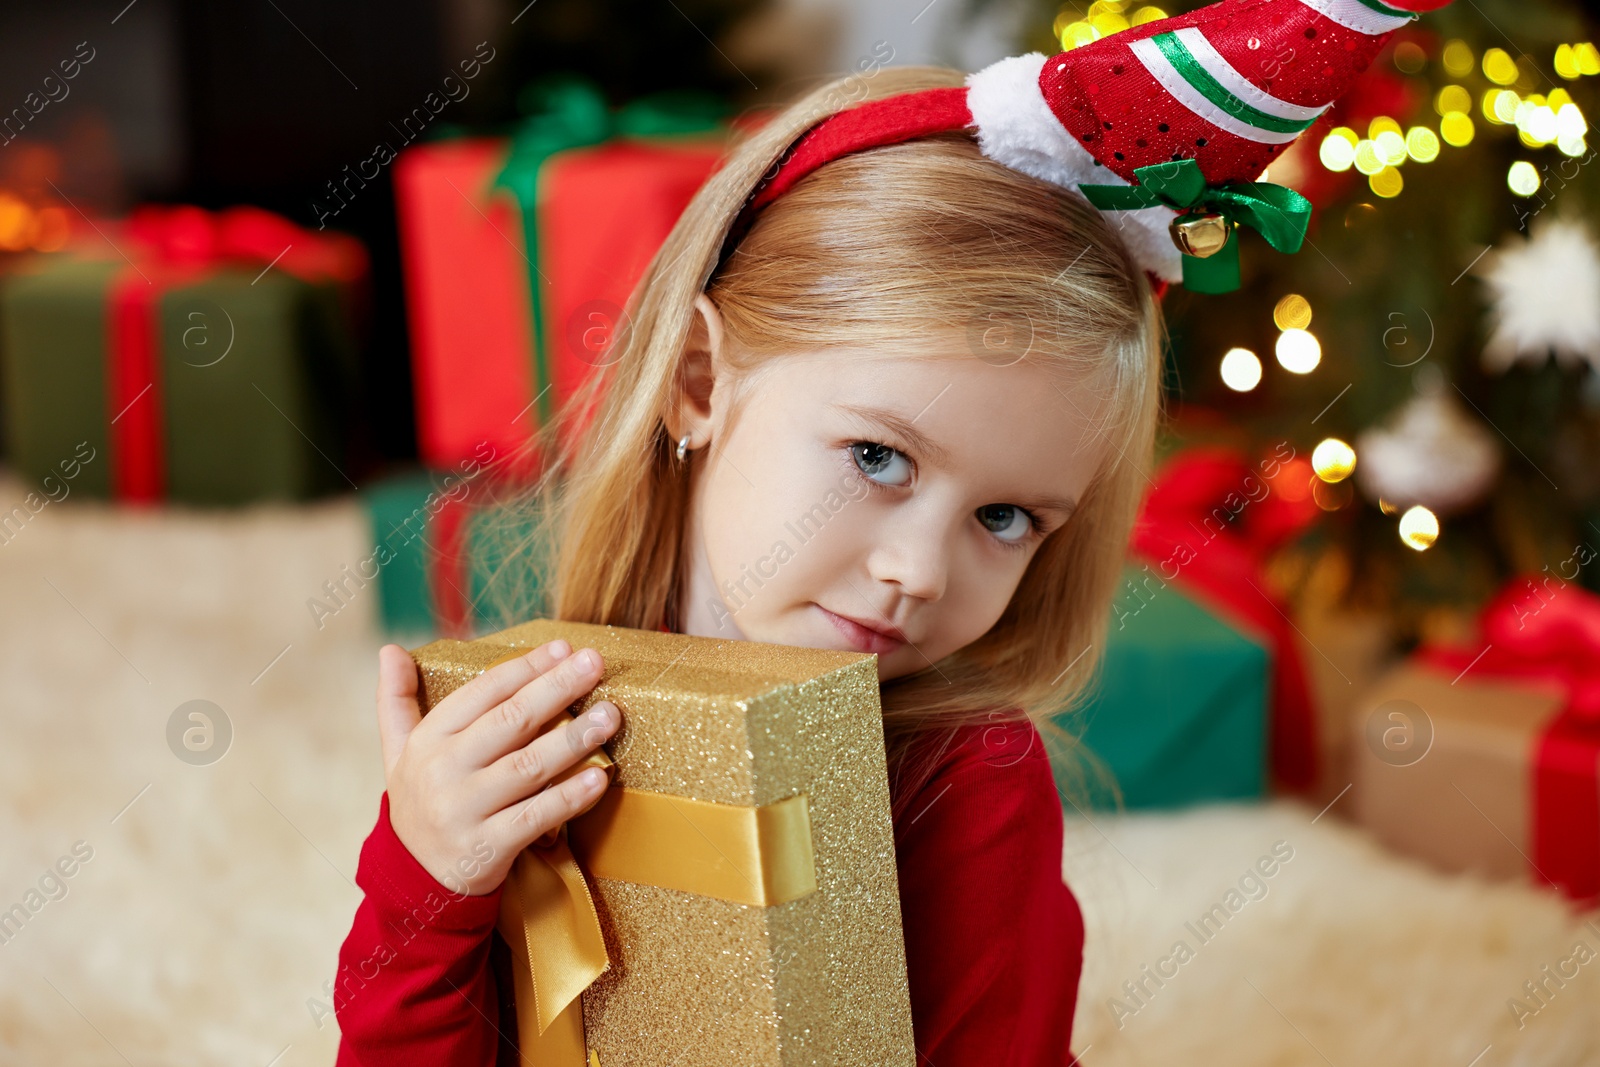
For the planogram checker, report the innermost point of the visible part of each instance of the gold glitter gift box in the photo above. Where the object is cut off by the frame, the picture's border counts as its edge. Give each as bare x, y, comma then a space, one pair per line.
732, 897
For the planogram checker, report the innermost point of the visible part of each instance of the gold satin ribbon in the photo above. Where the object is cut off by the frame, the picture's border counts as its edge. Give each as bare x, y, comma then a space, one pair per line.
748, 855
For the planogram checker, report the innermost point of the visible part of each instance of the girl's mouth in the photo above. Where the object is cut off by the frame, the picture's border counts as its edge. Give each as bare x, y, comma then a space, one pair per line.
862, 637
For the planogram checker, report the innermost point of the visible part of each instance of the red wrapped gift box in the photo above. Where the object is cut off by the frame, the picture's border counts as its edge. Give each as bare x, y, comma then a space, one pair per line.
603, 211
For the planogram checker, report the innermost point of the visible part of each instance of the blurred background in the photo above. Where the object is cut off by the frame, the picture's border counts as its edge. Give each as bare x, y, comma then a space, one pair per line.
285, 288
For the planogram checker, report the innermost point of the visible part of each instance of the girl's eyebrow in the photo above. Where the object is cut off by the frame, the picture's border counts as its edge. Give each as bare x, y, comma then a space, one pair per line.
921, 442
899, 424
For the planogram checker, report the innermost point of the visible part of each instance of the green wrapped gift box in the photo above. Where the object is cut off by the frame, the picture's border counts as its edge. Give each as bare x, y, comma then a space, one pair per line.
211, 366
437, 539
1180, 714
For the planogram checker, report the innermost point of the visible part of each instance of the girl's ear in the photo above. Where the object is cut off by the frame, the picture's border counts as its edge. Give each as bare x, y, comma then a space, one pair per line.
702, 361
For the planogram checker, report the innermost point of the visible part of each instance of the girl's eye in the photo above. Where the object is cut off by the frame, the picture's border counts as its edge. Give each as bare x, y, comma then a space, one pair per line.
1012, 525
882, 464
1008, 522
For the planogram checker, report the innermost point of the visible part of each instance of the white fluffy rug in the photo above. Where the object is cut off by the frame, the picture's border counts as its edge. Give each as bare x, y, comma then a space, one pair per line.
208, 917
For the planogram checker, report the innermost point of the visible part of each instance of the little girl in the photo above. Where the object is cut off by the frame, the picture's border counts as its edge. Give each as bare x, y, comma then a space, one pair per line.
886, 388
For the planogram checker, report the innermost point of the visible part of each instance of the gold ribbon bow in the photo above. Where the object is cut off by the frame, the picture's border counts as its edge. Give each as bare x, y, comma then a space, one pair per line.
749, 855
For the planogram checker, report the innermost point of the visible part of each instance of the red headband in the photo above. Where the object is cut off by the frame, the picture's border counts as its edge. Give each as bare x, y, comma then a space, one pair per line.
1162, 124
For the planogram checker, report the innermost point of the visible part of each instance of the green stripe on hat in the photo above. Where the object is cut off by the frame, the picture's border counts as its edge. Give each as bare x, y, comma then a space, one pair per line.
1195, 73
1385, 9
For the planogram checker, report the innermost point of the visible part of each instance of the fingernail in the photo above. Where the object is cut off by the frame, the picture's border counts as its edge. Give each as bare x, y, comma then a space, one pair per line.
559, 649
594, 735
592, 777
603, 713
588, 659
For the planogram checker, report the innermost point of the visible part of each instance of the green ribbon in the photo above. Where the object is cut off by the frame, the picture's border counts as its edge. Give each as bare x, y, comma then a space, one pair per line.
1279, 214
566, 112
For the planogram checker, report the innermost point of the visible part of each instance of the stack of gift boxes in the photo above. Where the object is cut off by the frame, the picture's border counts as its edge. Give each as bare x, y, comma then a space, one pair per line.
520, 255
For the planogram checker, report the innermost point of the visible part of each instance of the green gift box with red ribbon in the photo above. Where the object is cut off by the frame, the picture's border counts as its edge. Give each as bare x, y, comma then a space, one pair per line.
205, 358
520, 253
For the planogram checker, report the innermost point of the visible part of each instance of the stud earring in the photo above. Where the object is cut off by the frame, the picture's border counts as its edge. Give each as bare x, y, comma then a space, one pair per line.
683, 447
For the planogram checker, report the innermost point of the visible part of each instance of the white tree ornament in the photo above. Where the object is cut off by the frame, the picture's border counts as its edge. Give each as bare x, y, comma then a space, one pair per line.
1433, 454
1546, 298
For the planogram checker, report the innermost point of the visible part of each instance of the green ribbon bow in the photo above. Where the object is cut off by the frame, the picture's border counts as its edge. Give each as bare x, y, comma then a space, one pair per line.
1279, 214
567, 112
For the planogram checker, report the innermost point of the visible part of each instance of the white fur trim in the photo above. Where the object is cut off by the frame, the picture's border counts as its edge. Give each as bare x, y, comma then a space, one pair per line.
1017, 128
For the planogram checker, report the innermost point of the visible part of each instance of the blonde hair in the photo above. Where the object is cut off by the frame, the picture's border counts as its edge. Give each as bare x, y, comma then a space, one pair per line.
906, 240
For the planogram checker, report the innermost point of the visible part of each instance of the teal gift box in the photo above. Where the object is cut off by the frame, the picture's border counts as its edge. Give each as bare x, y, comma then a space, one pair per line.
438, 538
1180, 713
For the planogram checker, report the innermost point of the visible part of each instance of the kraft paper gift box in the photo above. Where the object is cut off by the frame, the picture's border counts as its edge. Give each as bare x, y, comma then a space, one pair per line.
1467, 803
1486, 757
741, 864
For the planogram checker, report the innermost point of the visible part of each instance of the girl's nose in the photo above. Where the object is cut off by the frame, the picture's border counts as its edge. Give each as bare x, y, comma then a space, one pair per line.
916, 557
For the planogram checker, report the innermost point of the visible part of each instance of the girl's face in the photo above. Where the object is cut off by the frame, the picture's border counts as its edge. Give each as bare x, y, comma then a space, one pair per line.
873, 500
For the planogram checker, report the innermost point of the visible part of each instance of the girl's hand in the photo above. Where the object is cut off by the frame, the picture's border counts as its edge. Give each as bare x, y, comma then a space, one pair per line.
467, 783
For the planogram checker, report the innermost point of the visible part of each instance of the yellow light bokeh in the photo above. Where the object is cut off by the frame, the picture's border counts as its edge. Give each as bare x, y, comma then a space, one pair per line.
1387, 183
1419, 527
1536, 119
1293, 312
1078, 34
1458, 60
1452, 98
1367, 159
1588, 57
1500, 106
1380, 124
1336, 153
1566, 62
1523, 178
1422, 144
1570, 121
1499, 67
1241, 370
1391, 147
1456, 129
1147, 14
1298, 351
1333, 460
1108, 22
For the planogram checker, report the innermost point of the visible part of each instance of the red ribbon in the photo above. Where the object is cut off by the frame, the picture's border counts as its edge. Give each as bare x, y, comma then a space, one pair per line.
1538, 633
1212, 516
173, 246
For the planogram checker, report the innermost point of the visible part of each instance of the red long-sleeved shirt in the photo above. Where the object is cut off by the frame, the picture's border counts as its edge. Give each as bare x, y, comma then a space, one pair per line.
994, 938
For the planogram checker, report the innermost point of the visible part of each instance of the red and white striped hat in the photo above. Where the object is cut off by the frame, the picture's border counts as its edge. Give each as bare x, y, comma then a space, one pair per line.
1228, 86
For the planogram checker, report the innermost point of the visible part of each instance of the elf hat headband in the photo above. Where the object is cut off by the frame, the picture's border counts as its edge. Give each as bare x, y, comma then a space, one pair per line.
1164, 126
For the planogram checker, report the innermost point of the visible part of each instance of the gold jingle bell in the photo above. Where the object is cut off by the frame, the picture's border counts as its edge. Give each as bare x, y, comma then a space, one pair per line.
1200, 235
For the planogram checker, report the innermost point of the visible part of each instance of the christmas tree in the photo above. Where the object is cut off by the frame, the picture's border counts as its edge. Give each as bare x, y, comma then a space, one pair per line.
1432, 354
